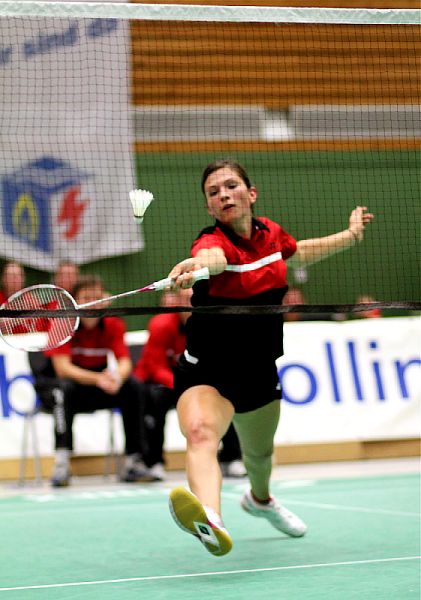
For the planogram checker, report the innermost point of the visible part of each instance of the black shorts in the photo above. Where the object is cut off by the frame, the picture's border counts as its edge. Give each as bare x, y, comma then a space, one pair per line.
247, 387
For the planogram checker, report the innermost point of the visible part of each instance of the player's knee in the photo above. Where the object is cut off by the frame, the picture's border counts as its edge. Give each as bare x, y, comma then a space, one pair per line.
201, 433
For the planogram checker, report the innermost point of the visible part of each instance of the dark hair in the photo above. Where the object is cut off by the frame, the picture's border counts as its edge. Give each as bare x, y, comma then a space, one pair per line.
67, 263
221, 164
8, 263
87, 281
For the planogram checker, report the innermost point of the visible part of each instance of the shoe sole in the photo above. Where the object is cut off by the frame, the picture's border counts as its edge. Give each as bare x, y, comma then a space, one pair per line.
190, 516
56, 483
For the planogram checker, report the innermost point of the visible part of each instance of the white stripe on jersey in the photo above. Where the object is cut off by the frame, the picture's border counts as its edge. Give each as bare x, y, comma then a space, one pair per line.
90, 351
258, 264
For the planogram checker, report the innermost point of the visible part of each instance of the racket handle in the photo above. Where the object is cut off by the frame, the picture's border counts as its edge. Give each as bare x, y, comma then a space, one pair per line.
163, 284
202, 273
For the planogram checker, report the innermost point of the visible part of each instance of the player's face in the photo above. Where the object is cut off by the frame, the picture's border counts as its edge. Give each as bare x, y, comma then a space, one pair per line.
228, 198
89, 294
66, 277
13, 279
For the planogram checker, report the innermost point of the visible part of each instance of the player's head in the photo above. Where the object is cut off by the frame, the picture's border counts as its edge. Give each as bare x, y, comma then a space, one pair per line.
370, 313
292, 297
66, 275
222, 164
12, 277
181, 297
87, 289
229, 194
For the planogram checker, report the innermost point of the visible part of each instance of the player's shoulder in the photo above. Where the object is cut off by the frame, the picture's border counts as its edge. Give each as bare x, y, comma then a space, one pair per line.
163, 322
266, 223
272, 226
209, 230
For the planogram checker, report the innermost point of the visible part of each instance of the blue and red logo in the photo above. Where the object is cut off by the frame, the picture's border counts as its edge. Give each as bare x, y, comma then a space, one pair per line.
27, 196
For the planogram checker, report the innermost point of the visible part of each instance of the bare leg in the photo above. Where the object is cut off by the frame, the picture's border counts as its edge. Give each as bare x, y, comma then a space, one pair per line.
204, 416
256, 431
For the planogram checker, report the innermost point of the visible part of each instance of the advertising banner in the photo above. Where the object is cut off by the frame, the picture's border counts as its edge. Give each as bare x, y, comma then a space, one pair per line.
356, 380
65, 141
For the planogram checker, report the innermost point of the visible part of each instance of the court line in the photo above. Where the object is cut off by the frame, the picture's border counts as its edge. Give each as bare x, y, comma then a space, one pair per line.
212, 573
380, 511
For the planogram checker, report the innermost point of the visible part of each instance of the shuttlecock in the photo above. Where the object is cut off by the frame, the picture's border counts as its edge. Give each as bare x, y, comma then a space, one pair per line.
140, 200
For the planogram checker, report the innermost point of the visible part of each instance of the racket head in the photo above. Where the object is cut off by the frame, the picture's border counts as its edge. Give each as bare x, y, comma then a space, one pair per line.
36, 334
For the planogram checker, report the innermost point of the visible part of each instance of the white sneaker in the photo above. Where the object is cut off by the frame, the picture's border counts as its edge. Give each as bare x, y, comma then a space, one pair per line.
135, 470
235, 468
202, 522
278, 516
61, 472
157, 472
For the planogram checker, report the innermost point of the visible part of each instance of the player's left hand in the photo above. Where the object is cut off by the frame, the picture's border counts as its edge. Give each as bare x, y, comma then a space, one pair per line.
358, 220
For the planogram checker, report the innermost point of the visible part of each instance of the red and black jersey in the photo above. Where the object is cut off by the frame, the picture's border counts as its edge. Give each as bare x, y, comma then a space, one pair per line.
89, 348
255, 275
167, 340
255, 265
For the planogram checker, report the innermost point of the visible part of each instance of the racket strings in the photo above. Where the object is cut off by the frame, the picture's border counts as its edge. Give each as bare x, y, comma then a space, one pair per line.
38, 332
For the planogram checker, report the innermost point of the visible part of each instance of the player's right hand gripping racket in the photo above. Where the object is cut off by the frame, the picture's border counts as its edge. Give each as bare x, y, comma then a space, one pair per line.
36, 334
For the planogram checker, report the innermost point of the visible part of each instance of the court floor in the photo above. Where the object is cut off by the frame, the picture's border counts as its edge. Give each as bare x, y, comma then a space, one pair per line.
100, 539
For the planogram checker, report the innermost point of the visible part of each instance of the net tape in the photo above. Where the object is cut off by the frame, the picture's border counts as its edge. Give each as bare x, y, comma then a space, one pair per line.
268, 309
186, 12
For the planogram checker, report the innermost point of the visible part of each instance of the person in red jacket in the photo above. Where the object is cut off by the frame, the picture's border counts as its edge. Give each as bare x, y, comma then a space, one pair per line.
79, 380
166, 342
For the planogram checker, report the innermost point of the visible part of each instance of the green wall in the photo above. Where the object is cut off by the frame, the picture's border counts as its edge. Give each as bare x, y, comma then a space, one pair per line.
311, 194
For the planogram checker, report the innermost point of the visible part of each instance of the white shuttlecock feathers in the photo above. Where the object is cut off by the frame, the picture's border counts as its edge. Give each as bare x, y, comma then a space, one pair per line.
140, 200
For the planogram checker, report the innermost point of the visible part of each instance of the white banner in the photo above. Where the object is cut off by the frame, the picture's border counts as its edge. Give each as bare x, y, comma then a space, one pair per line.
65, 141
355, 380
358, 380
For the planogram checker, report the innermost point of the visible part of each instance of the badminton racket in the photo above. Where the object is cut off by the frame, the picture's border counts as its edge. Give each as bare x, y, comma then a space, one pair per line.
39, 333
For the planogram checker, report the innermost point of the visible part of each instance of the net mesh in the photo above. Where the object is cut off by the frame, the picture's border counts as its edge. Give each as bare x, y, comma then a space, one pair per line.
97, 100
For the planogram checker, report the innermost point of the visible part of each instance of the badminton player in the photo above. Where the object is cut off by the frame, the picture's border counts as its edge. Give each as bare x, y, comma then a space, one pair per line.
228, 372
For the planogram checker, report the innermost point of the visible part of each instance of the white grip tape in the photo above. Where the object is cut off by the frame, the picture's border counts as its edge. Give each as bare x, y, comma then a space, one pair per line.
202, 273
164, 284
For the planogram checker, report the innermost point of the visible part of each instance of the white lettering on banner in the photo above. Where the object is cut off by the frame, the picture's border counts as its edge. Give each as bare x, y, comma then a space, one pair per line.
63, 195
357, 380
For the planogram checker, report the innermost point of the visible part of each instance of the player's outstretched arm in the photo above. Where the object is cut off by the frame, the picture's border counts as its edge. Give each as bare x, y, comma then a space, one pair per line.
212, 258
316, 249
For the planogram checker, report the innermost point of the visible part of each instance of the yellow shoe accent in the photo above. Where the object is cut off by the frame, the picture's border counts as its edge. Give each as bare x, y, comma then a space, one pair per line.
190, 516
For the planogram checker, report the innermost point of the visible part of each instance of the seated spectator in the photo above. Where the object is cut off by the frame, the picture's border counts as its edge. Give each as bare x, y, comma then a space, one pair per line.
12, 279
370, 313
154, 368
66, 275
77, 379
296, 296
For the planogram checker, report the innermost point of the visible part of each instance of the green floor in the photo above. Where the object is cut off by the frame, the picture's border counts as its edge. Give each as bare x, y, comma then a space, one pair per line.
120, 542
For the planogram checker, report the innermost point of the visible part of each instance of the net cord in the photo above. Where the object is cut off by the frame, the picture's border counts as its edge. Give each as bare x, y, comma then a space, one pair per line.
223, 309
186, 12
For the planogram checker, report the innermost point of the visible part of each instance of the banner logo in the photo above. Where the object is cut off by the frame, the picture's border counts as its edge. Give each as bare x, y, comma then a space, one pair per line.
28, 194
